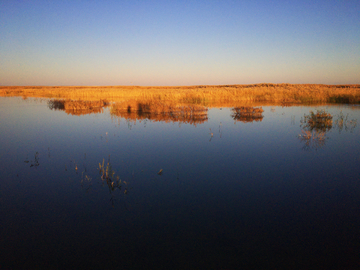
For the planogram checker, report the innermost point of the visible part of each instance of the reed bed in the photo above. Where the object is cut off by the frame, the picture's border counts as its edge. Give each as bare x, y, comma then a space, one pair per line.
77, 107
201, 94
247, 114
166, 111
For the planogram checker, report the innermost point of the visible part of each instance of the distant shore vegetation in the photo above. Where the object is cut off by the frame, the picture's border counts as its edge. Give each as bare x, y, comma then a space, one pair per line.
207, 95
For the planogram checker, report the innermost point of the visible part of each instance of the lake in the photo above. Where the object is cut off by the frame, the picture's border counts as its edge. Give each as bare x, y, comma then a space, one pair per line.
209, 187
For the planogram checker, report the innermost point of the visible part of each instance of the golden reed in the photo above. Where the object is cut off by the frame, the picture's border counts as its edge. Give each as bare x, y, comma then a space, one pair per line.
201, 94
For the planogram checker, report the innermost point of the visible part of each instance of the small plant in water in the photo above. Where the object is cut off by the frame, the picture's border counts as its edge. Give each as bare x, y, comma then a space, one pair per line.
86, 182
342, 123
320, 121
35, 163
315, 125
107, 175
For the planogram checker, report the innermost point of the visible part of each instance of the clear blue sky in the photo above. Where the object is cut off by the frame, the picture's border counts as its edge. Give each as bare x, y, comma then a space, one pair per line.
179, 42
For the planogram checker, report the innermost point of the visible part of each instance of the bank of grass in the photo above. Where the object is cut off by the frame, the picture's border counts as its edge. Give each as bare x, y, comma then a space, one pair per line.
165, 111
201, 94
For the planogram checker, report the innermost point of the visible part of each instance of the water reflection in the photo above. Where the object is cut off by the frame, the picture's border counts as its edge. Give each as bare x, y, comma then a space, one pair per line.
77, 107
160, 111
312, 139
247, 114
343, 123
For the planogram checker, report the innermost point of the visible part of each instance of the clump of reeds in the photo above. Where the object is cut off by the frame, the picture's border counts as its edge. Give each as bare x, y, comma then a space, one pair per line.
160, 111
78, 107
315, 125
107, 175
319, 121
247, 114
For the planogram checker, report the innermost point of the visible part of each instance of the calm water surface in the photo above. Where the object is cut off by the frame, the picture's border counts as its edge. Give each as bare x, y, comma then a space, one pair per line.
85, 190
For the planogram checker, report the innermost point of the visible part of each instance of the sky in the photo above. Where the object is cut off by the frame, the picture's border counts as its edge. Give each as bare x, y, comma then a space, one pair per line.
157, 43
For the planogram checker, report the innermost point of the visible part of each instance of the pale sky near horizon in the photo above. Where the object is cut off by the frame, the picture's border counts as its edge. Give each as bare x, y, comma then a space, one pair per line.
179, 42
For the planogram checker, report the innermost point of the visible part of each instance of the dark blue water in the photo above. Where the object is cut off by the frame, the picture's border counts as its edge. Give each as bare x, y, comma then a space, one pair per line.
231, 194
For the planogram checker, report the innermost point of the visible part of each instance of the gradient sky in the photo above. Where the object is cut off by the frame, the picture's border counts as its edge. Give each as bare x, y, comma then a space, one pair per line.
179, 42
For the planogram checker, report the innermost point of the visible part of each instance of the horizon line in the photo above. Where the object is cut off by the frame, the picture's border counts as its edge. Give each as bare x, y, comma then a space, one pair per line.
197, 85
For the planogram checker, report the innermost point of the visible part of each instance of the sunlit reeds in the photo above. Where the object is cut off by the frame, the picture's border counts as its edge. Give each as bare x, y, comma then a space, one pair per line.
108, 176
202, 94
166, 111
77, 107
315, 125
320, 121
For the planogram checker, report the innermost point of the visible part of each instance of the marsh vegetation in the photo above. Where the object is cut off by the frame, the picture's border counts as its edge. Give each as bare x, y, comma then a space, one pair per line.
319, 121
77, 107
166, 111
208, 95
316, 125
247, 114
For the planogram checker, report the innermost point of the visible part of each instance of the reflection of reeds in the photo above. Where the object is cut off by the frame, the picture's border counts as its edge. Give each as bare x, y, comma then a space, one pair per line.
342, 123
77, 107
56, 104
312, 139
160, 111
202, 94
247, 114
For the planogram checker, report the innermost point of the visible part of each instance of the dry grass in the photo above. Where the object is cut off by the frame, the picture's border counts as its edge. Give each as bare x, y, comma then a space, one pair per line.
167, 111
202, 94
77, 107
247, 114
315, 126
321, 121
